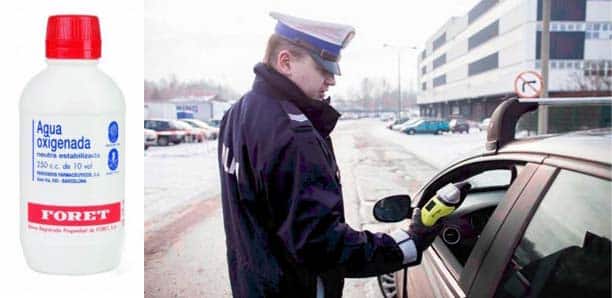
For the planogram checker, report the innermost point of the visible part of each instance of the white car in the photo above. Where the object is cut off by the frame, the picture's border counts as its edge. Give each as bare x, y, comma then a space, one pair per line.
484, 125
402, 126
192, 134
150, 138
210, 132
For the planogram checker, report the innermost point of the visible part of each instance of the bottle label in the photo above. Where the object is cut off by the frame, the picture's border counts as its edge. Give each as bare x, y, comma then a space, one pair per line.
74, 215
62, 154
75, 176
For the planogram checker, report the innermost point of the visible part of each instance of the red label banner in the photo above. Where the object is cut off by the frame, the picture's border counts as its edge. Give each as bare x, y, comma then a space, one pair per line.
74, 215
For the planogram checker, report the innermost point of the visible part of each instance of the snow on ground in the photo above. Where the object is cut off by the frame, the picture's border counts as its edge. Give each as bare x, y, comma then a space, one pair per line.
176, 175
437, 150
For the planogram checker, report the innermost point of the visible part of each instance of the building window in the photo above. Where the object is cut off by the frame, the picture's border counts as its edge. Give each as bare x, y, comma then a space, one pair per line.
480, 8
423, 54
597, 31
483, 35
439, 80
424, 86
600, 68
565, 10
424, 70
438, 42
441, 60
563, 45
484, 64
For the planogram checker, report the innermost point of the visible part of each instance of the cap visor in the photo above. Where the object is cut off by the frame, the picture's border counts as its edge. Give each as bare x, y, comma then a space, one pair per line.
330, 66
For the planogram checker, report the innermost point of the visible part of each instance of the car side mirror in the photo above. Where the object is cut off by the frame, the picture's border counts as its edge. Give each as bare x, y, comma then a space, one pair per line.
393, 208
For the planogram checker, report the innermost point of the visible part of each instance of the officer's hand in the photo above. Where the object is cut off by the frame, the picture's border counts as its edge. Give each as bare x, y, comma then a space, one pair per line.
421, 234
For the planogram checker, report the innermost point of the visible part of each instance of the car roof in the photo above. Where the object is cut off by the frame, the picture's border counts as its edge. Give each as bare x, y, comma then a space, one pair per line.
591, 145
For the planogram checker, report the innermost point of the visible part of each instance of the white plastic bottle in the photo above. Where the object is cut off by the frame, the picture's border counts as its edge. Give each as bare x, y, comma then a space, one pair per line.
72, 156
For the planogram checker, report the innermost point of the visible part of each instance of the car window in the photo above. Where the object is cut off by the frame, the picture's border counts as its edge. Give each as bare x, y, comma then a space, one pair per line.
492, 178
151, 124
565, 251
462, 229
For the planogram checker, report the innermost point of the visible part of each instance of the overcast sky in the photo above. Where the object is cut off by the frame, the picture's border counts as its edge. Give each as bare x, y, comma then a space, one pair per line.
222, 40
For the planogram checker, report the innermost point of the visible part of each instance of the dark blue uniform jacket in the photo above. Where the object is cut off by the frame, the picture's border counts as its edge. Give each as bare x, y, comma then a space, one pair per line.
282, 198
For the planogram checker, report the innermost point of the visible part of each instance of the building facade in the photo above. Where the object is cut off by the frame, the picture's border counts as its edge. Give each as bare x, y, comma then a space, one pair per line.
470, 64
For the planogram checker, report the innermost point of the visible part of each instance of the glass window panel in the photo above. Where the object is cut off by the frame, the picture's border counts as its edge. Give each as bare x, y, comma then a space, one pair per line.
484, 64
565, 251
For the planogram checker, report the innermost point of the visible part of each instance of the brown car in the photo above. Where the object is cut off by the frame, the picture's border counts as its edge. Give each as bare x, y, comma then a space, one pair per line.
537, 221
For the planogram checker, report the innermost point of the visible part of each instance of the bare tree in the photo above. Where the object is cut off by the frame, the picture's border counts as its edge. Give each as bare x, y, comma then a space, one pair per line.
596, 76
172, 87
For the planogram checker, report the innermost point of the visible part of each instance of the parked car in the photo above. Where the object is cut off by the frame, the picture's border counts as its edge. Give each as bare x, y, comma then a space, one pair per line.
459, 126
210, 132
150, 138
214, 122
484, 125
192, 134
536, 222
403, 125
435, 126
167, 131
395, 123
384, 117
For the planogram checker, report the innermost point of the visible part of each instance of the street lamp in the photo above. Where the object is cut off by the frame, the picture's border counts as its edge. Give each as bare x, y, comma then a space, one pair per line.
399, 75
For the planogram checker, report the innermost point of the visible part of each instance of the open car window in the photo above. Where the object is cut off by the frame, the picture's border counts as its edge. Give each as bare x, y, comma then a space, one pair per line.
461, 230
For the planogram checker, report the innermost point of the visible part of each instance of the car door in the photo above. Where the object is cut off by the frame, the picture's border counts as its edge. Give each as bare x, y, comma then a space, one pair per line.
556, 240
424, 127
450, 265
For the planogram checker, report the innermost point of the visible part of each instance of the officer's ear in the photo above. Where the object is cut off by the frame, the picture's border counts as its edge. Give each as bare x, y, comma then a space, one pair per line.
283, 62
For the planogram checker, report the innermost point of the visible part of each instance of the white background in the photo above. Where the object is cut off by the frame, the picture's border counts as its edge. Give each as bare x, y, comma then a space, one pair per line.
22, 36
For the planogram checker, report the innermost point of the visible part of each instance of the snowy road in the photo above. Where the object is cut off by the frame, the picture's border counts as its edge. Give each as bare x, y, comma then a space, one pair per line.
184, 238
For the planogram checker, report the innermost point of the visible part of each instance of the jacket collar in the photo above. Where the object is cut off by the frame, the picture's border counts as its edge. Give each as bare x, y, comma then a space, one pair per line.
322, 115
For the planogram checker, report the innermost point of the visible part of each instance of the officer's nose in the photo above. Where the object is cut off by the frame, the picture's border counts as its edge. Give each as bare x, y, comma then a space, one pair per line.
330, 79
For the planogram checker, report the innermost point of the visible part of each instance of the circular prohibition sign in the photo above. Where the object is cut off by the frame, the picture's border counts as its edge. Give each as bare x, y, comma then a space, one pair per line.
528, 84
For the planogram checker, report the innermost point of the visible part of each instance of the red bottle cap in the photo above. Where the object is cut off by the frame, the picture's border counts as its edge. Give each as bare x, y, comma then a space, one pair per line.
73, 37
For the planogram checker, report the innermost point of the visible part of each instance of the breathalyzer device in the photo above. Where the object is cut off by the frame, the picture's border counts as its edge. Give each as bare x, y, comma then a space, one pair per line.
446, 200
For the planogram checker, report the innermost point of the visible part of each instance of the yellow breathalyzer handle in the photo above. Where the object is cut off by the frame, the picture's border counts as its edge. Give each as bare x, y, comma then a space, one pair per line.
434, 210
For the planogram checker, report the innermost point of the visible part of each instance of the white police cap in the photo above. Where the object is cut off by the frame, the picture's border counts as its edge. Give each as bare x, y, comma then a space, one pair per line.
323, 40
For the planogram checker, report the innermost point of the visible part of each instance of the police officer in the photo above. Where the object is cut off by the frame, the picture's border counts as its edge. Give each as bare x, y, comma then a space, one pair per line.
283, 213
